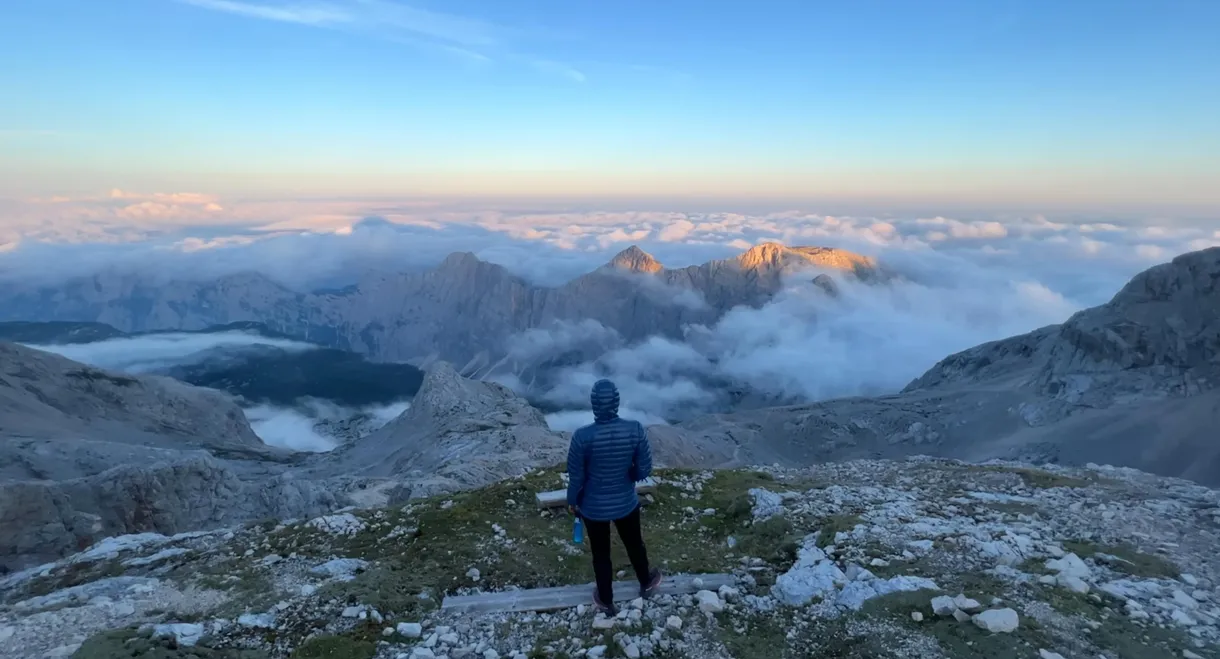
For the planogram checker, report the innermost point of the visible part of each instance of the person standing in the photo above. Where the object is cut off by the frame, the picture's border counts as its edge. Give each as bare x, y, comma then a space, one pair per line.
605, 460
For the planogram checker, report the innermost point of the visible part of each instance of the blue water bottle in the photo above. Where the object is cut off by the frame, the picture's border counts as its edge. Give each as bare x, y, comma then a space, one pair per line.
578, 531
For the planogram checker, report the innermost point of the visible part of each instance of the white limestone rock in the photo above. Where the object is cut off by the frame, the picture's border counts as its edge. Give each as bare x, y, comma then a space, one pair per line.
998, 621
709, 602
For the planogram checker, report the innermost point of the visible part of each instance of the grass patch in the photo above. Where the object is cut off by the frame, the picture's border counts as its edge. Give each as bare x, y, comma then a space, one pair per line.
1130, 560
131, 644
1118, 634
833, 525
249, 588
1035, 566
335, 647
1014, 507
1036, 478
455, 533
392, 588
759, 637
74, 574
957, 640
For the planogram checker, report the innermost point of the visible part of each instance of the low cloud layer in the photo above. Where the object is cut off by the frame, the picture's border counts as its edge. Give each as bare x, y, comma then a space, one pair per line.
297, 428
154, 352
808, 345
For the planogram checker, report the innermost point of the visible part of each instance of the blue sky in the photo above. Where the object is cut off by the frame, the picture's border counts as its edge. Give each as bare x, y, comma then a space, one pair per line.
962, 99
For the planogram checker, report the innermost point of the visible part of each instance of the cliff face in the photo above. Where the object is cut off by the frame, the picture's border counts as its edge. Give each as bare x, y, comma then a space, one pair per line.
460, 311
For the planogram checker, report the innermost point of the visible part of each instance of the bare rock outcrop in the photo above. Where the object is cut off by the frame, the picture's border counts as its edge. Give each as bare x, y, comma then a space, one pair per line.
44, 520
458, 434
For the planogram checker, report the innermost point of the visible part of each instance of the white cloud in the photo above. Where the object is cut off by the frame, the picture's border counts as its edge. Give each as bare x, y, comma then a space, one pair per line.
152, 352
965, 280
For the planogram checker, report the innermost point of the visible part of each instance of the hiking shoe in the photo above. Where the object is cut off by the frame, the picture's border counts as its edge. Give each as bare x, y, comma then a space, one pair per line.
654, 582
609, 610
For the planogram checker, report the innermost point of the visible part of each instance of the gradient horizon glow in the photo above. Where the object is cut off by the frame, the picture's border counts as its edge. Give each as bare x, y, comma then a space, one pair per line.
957, 101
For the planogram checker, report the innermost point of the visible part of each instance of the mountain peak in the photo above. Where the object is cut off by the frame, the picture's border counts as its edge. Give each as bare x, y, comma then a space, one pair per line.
634, 259
460, 260
773, 255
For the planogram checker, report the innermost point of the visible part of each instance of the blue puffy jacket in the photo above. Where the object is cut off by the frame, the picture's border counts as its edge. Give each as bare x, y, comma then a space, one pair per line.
606, 459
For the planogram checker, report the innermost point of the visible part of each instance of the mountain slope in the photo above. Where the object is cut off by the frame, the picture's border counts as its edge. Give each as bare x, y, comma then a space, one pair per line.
86, 453
1131, 382
43, 395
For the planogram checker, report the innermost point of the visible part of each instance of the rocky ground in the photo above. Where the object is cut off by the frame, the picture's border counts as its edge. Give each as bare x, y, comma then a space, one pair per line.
915, 558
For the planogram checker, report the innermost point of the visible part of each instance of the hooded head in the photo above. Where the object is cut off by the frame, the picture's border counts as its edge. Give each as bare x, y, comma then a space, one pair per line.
605, 401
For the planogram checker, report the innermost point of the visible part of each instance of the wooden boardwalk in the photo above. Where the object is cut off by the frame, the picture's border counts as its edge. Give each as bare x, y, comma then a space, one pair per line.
557, 498
569, 597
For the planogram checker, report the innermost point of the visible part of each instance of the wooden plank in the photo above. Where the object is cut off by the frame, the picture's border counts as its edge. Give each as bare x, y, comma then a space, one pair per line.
569, 597
558, 498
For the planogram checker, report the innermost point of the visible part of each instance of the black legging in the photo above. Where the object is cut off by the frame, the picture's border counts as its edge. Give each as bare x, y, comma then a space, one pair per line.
603, 567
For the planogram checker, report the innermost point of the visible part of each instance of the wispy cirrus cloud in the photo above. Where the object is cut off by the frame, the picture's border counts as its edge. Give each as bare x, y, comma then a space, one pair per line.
318, 14
469, 39
560, 69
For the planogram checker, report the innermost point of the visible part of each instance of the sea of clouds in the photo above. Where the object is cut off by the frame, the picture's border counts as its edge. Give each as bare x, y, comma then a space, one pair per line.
961, 281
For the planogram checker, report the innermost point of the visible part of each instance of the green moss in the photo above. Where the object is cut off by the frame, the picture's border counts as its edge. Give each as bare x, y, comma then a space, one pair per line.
1038, 478
758, 637
131, 644
833, 525
1131, 560
248, 587
335, 647
1014, 507
74, 574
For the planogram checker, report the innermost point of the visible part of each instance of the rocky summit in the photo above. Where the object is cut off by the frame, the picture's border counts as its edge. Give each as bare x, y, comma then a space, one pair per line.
914, 558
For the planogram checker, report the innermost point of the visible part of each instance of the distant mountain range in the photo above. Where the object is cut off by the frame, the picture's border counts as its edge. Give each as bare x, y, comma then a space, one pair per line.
463, 311
257, 373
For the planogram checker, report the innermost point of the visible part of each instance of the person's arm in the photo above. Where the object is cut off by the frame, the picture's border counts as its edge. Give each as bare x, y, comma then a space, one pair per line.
642, 463
576, 471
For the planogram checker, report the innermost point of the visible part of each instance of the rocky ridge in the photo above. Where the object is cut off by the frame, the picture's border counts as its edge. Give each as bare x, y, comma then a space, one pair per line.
1133, 380
462, 311
915, 558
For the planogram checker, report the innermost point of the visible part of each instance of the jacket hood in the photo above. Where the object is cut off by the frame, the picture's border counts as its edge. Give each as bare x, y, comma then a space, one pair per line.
604, 399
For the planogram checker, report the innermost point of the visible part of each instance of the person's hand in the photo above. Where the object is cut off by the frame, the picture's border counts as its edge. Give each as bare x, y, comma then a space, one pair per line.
575, 511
